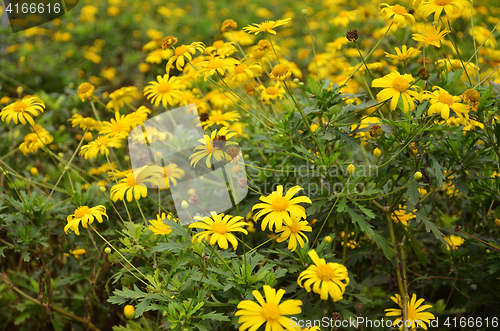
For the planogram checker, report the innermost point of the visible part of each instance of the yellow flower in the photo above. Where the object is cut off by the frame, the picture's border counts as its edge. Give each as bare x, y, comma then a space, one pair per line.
218, 229
183, 53
441, 103
294, 233
431, 36
36, 140
221, 48
480, 34
395, 86
77, 252
400, 214
86, 216
269, 311
212, 146
217, 117
328, 279
228, 25
403, 53
23, 110
281, 208
428, 7
85, 91
133, 186
122, 96
85, 123
216, 64
241, 37
118, 126
271, 92
453, 242
416, 313
344, 18
280, 72
267, 26
242, 72
159, 55
158, 227
167, 90
129, 311
171, 173
139, 116
100, 145
397, 13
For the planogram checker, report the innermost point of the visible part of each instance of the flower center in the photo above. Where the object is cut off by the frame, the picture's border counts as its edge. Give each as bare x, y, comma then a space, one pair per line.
272, 90
263, 44
102, 141
400, 84
280, 204
400, 10
280, 70
20, 107
81, 211
220, 228
163, 87
240, 68
295, 228
266, 26
412, 314
131, 180
84, 88
219, 141
442, 2
446, 98
270, 311
179, 51
325, 272
215, 64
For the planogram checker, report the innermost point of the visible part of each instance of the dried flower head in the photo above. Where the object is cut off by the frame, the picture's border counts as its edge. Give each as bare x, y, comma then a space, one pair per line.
228, 25
167, 42
352, 35
194, 200
423, 74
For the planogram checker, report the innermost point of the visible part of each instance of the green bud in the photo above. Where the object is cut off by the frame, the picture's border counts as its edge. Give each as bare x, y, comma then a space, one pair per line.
107, 250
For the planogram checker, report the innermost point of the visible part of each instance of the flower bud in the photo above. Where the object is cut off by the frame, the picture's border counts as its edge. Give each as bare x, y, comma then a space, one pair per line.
303, 12
184, 204
418, 175
87, 136
328, 239
102, 189
34, 171
107, 250
351, 169
129, 311
296, 80
377, 152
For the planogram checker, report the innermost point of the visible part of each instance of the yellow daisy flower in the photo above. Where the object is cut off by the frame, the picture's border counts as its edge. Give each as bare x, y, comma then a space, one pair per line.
77, 252
428, 7
344, 18
270, 311
167, 90
222, 48
184, 53
216, 64
23, 110
271, 92
481, 34
395, 86
139, 116
157, 56
133, 186
218, 229
243, 72
123, 96
241, 37
402, 215
442, 101
171, 173
85, 91
267, 26
86, 216
431, 36
294, 233
397, 13
158, 227
212, 146
328, 279
36, 140
453, 242
100, 145
403, 54
416, 313
280, 72
118, 126
217, 117
85, 123
280, 209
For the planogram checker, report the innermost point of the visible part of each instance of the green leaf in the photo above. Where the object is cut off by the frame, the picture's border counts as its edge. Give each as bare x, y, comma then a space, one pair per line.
430, 226
341, 205
386, 247
362, 223
412, 193
366, 211
142, 307
213, 316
